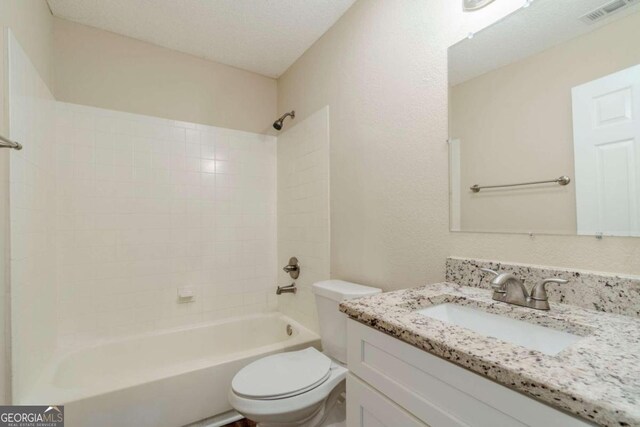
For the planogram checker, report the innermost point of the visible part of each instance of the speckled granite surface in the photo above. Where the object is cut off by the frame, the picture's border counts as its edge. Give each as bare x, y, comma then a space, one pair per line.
596, 291
597, 378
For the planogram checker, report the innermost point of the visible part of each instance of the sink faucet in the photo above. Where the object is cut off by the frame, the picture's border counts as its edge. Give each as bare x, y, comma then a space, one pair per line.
508, 288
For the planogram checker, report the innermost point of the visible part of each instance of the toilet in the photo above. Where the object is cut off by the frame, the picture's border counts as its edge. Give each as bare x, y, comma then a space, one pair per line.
302, 388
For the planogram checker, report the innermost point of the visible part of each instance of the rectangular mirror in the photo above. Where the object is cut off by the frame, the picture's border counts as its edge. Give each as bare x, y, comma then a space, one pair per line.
548, 97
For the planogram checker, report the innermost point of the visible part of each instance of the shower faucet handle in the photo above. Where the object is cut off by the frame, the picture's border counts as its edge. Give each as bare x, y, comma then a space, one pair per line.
293, 268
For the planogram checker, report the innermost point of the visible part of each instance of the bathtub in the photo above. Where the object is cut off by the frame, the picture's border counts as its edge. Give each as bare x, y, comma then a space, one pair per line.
167, 379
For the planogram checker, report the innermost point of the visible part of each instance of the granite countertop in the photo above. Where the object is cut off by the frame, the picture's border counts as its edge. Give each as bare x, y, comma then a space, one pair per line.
597, 378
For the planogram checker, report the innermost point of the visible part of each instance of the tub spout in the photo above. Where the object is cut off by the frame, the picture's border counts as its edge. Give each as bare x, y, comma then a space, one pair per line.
287, 289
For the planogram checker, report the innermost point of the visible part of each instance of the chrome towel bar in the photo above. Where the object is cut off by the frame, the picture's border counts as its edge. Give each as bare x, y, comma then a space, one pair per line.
563, 180
7, 143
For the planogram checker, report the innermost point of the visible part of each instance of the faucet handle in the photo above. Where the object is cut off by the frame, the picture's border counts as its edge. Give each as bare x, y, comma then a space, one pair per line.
539, 291
495, 286
488, 270
293, 268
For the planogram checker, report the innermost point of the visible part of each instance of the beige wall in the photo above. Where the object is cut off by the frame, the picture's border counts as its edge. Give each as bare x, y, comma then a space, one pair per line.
85, 65
382, 69
515, 125
32, 24
103, 69
388, 192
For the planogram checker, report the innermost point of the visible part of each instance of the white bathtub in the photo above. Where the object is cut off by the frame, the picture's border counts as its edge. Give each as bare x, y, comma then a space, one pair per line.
164, 379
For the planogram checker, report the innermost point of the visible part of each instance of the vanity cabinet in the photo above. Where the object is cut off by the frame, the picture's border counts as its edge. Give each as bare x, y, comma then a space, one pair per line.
392, 383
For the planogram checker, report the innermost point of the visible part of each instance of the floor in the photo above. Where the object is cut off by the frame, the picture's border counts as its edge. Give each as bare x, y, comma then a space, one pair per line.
241, 423
223, 420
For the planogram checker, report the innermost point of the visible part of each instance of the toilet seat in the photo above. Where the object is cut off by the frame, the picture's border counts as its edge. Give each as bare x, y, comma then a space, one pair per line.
291, 409
282, 375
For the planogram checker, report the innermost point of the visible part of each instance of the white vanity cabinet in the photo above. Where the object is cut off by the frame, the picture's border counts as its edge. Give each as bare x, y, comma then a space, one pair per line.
394, 384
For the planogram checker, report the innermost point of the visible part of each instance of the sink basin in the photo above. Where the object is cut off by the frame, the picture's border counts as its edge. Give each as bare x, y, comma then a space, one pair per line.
535, 337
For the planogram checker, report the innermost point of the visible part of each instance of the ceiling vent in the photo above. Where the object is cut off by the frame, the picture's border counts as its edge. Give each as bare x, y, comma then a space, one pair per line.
607, 9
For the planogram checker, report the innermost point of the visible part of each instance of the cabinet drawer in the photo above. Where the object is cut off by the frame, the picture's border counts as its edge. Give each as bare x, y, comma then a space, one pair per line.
368, 408
438, 392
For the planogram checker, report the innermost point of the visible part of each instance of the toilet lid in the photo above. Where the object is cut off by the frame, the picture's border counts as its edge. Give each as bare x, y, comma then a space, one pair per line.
282, 375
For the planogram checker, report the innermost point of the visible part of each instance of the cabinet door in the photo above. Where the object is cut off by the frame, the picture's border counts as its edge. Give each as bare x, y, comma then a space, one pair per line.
368, 408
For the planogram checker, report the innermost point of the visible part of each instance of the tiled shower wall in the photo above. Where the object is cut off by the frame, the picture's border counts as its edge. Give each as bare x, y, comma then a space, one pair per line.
32, 220
303, 211
147, 206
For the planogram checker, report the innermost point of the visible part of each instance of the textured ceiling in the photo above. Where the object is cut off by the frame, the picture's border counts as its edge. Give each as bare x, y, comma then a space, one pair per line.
544, 24
263, 36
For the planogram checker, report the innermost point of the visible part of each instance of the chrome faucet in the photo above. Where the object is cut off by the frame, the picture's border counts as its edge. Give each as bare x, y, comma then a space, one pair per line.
508, 288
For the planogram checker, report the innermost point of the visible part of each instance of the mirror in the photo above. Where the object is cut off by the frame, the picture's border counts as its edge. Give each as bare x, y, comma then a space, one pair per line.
548, 97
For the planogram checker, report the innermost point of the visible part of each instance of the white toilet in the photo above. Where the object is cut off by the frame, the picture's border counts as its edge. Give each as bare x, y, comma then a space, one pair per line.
302, 388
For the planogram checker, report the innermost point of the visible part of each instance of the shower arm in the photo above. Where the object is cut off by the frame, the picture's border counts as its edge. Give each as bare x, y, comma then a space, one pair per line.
291, 113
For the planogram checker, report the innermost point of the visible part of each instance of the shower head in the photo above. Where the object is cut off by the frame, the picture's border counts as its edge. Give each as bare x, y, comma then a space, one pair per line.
278, 123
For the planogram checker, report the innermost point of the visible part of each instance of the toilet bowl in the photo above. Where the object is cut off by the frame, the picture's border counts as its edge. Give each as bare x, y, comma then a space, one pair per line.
266, 393
303, 388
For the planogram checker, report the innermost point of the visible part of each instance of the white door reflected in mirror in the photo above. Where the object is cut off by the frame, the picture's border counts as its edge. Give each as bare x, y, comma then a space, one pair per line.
606, 141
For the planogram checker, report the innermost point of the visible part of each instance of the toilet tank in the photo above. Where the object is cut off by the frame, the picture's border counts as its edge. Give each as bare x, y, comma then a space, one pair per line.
333, 323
